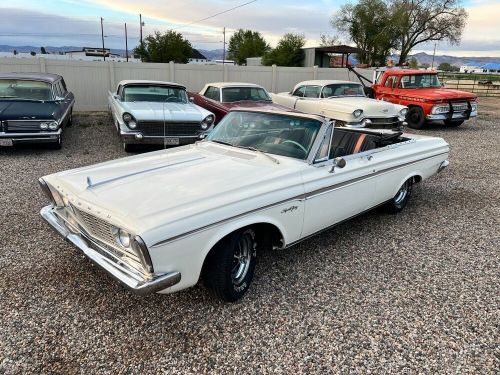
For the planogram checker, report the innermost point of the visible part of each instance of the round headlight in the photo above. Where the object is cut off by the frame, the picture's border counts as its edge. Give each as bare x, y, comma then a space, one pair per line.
357, 112
123, 238
209, 119
53, 125
403, 112
44, 126
204, 125
127, 117
132, 125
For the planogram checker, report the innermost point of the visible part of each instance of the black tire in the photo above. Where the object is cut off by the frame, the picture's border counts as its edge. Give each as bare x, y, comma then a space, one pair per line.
399, 201
129, 147
55, 145
230, 265
415, 118
70, 119
454, 123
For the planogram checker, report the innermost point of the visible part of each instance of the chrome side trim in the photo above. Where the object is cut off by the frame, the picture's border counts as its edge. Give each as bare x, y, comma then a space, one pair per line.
133, 281
301, 197
38, 134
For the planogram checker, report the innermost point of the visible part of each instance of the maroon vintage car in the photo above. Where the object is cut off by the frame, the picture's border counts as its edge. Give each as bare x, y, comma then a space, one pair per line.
220, 97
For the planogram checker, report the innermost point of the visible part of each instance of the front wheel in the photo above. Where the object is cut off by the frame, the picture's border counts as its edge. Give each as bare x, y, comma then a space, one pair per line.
230, 266
453, 123
415, 118
399, 201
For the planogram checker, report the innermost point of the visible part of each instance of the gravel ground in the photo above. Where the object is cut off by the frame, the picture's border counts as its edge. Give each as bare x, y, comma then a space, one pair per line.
413, 293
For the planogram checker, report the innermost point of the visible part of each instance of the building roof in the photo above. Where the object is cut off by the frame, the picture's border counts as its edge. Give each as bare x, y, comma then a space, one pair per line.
492, 66
47, 77
195, 54
342, 48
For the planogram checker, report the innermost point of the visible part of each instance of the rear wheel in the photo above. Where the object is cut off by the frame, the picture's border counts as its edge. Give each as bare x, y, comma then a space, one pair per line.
230, 266
453, 123
415, 118
399, 201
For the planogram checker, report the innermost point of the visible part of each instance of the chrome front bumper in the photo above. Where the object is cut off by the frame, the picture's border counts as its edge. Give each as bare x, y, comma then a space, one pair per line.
139, 138
96, 253
34, 137
445, 116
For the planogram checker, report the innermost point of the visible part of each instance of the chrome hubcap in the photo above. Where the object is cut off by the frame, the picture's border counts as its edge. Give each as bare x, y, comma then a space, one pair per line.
402, 193
242, 258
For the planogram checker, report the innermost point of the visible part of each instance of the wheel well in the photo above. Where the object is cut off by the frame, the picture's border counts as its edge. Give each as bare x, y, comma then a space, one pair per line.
417, 178
268, 237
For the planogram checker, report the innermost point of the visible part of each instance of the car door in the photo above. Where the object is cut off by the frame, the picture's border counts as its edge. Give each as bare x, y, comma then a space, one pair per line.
311, 95
334, 196
386, 90
62, 102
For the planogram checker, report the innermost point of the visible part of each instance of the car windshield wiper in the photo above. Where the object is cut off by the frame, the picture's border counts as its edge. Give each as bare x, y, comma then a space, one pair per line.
260, 152
222, 142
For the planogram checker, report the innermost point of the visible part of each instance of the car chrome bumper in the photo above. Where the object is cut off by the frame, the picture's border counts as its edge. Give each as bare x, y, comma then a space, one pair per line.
139, 138
456, 116
92, 250
34, 137
367, 123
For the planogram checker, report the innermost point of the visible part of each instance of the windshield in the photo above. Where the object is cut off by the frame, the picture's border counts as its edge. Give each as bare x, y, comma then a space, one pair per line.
343, 89
417, 81
272, 133
25, 89
236, 94
154, 93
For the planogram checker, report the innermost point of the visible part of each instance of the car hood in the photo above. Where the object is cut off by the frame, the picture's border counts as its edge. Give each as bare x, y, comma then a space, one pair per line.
267, 106
332, 107
23, 109
438, 94
166, 187
165, 111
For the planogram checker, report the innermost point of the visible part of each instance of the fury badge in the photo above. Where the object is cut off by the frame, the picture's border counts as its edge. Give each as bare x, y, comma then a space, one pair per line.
289, 209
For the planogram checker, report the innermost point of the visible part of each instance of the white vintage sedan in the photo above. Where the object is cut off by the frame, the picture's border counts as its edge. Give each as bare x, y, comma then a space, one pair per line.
155, 112
159, 222
345, 102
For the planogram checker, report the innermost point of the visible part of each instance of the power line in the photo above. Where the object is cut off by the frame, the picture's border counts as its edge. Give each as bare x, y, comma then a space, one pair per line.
214, 15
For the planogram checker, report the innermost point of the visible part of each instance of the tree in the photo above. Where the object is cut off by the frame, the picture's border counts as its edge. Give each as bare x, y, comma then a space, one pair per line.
163, 48
370, 25
246, 43
447, 67
421, 21
328, 40
288, 52
43, 51
413, 63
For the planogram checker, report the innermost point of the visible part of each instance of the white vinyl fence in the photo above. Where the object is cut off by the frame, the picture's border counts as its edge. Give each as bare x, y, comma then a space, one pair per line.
90, 81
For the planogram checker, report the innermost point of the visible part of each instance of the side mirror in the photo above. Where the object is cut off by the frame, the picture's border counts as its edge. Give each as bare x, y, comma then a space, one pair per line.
116, 96
338, 163
191, 99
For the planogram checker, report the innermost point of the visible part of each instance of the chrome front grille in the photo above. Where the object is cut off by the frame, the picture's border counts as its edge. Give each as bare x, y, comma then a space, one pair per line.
22, 126
103, 232
459, 107
385, 121
159, 129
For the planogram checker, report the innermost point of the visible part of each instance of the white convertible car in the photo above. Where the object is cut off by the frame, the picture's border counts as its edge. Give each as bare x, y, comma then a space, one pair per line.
158, 222
345, 102
155, 112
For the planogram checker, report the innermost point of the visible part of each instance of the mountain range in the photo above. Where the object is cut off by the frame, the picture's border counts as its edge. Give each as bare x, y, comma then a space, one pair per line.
422, 57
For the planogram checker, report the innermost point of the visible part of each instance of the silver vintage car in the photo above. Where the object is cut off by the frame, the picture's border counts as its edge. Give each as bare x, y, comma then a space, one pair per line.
155, 112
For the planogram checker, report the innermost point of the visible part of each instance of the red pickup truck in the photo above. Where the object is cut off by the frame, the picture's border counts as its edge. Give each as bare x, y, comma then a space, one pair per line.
427, 100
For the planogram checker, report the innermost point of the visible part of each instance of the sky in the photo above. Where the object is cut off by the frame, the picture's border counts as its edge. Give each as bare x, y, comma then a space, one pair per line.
77, 22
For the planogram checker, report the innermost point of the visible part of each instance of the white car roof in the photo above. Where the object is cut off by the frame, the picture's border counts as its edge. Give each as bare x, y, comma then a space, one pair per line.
136, 81
323, 82
232, 84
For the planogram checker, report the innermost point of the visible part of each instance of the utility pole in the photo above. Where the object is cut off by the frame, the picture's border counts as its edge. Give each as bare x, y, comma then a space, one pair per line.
126, 42
102, 38
141, 24
434, 54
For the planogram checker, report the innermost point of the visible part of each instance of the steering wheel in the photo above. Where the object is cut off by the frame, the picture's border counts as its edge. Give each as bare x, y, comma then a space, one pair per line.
296, 144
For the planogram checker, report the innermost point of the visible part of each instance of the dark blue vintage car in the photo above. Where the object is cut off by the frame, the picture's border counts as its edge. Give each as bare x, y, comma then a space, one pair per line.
34, 108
